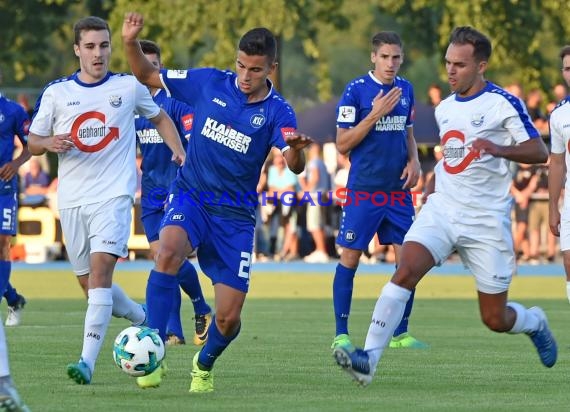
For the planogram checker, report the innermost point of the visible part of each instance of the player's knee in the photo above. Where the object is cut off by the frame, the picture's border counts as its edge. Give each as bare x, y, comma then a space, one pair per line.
227, 324
494, 323
168, 259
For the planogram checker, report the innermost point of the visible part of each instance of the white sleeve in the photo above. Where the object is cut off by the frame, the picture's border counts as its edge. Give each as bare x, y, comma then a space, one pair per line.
556, 137
42, 123
145, 106
518, 123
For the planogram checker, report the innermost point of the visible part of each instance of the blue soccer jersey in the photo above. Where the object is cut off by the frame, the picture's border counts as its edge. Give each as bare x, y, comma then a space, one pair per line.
231, 139
14, 121
159, 171
378, 160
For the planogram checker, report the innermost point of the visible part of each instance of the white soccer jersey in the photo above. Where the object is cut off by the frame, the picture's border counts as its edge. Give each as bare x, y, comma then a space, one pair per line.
468, 178
559, 140
100, 118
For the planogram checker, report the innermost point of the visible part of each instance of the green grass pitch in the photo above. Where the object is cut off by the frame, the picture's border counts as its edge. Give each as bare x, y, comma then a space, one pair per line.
282, 361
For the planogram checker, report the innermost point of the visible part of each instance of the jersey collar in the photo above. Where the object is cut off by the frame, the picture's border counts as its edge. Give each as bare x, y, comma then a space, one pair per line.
269, 93
75, 77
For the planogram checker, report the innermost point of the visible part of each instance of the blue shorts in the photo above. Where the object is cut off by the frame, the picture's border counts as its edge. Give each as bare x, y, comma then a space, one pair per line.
225, 245
364, 214
8, 207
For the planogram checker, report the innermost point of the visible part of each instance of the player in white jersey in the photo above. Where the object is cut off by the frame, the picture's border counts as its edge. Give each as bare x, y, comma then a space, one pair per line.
482, 127
559, 124
88, 119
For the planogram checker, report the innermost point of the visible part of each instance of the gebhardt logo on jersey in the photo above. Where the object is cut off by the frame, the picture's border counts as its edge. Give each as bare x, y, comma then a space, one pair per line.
188, 121
226, 136
115, 101
454, 149
391, 123
346, 114
149, 136
90, 133
257, 120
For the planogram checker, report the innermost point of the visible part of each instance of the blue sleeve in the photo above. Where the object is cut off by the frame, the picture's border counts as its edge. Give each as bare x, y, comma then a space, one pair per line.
185, 85
182, 115
285, 123
22, 124
410, 119
347, 108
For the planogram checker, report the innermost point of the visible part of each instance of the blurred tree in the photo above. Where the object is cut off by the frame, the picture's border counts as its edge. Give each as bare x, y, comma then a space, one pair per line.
27, 27
205, 32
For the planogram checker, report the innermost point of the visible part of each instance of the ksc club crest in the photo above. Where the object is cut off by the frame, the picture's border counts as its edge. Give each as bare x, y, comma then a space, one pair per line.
115, 101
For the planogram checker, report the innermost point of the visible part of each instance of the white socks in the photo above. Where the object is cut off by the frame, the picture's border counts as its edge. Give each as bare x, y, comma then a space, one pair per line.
386, 317
125, 307
97, 318
568, 290
525, 322
4, 366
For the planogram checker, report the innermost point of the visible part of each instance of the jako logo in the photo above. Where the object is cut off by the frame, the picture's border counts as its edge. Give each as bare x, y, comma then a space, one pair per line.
218, 101
178, 216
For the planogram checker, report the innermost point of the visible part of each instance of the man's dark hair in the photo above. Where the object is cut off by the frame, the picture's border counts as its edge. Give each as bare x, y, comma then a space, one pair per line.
89, 23
468, 35
565, 51
259, 42
150, 47
386, 37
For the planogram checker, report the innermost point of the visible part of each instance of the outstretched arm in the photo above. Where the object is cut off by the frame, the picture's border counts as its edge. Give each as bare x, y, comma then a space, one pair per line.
143, 69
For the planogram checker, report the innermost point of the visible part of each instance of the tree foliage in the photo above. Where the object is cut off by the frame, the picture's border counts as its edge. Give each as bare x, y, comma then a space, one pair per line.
324, 43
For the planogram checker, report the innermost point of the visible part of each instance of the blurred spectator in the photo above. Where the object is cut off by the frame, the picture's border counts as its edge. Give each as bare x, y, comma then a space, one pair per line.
282, 191
540, 237
316, 182
261, 241
36, 184
516, 90
24, 101
533, 103
434, 94
559, 92
524, 184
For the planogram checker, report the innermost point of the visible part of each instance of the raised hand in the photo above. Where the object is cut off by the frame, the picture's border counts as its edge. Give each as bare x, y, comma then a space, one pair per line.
132, 26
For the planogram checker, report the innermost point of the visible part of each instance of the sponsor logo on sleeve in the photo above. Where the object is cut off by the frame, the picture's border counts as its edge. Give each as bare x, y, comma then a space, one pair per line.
346, 114
287, 132
187, 121
176, 74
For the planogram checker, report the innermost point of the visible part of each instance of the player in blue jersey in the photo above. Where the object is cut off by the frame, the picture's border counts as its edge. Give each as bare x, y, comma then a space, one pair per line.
158, 174
375, 125
14, 121
238, 118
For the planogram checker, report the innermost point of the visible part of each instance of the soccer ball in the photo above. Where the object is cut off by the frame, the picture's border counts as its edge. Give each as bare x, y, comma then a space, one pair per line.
138, 350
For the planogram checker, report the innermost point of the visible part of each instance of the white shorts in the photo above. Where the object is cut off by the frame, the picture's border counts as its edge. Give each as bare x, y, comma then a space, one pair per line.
565, 231
483, 240
96, 227
314, 217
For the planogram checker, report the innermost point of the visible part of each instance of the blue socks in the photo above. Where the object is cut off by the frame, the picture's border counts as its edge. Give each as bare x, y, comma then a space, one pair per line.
403, 326
160, 290
214, 346
5, 269
342, 297
11, 295
174, 325
190, 284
